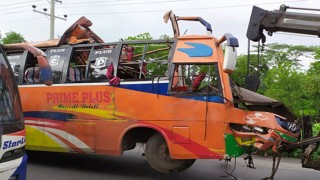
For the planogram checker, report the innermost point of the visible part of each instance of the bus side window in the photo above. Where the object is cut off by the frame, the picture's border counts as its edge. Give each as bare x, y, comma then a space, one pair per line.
31, 70
32, 75
128, 67
16, 70
178, 81
77, 66
100, 61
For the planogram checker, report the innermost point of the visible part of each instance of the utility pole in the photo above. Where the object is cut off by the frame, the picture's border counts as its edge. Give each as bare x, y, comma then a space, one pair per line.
51, 15
52, 6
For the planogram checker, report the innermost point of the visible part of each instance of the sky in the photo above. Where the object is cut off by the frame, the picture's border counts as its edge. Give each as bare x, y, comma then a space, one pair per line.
116, 19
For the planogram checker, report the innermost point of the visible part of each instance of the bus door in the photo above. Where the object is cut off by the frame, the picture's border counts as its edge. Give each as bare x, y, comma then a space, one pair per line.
59, 58
87, 76
194, 75
17, 61
68, 69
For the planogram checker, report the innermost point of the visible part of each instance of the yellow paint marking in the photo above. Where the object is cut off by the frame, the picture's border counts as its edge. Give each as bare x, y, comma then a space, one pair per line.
217, 150
38, 140
96, 112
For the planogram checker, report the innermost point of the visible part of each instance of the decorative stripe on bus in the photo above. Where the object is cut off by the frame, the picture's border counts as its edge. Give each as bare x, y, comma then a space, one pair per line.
64, 139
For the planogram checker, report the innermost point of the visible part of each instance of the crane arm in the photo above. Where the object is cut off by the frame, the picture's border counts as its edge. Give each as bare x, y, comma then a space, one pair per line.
283, 21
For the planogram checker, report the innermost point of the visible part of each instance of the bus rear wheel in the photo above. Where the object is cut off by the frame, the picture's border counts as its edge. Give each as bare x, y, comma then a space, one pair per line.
158, 157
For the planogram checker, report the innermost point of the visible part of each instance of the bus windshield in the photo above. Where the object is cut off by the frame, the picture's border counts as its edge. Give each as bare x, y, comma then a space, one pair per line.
10, 109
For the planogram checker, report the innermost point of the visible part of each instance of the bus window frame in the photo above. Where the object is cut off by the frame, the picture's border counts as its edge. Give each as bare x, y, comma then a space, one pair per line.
188, 92
65, 64
74, 50
91, 59
21, 62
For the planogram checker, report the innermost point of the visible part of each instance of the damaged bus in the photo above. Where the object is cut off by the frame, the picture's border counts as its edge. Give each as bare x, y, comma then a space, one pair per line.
173, 95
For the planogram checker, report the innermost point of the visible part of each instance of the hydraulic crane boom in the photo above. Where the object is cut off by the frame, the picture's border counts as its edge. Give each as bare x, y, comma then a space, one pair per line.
283, 21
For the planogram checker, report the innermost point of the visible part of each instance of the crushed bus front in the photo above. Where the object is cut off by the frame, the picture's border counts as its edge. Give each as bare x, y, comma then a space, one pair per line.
267, 124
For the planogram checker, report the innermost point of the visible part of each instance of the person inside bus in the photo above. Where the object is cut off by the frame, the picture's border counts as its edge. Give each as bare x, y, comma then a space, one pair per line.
127, 54
198, 85
197, 81
129, 69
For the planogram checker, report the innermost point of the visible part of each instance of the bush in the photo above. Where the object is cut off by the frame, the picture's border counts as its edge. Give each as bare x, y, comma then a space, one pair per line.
316, 129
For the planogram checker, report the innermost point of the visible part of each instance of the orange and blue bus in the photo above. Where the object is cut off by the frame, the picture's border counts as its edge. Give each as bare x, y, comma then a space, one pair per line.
173, 95
13, 160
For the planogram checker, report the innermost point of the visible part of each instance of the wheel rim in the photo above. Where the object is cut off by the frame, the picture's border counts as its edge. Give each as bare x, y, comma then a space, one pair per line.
164, 151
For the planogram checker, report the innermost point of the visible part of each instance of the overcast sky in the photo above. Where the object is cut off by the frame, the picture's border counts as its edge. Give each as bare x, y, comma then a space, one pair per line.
115, 19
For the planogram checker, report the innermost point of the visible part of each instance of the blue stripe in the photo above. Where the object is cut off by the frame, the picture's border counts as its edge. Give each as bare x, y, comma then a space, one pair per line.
216, 99
155, 88
162, 89
48, 115
21, 171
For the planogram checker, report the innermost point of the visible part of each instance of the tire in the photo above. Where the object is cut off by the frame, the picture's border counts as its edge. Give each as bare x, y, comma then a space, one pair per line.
158, 157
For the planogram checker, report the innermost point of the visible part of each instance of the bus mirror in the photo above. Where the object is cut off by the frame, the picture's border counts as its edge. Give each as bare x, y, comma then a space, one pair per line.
230, 59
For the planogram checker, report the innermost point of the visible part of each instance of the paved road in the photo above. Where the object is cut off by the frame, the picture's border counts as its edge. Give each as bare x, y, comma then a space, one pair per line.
61, 166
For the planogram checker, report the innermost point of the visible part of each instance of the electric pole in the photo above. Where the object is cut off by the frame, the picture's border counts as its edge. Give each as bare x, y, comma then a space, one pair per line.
51, 15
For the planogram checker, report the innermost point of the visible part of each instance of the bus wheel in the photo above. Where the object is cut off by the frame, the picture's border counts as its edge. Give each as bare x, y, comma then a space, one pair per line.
157, 155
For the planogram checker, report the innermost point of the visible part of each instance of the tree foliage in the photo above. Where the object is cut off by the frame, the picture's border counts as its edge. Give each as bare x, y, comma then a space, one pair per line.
12, 37
282, 76
156, 62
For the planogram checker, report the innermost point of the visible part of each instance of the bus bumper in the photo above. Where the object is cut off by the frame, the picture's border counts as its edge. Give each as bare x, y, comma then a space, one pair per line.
15, 169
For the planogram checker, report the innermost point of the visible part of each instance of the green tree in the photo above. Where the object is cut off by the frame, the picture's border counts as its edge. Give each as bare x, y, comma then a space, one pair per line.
143, 36
156, 62
312, 89
282, 77
285, 84
285, 80
12, 37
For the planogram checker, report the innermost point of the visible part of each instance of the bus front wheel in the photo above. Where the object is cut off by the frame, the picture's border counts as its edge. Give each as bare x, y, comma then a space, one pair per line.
158, 157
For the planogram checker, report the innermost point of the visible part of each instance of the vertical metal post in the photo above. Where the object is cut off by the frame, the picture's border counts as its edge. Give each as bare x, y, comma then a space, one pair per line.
142, 59
248, 59
258, 63
52, 18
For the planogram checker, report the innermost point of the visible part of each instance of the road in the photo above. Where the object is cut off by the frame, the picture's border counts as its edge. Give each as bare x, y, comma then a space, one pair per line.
62, 166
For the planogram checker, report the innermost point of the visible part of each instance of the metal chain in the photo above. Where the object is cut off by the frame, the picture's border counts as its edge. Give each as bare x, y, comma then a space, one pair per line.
274, 166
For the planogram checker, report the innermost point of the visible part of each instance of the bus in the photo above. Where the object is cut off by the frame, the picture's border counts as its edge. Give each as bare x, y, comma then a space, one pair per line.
173, 95
13, 159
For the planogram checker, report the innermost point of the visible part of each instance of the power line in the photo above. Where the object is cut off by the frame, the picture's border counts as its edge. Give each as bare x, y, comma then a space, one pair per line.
91, 2
214, 7
19, 7
19, 20
127, 4
25, 2
15, 12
